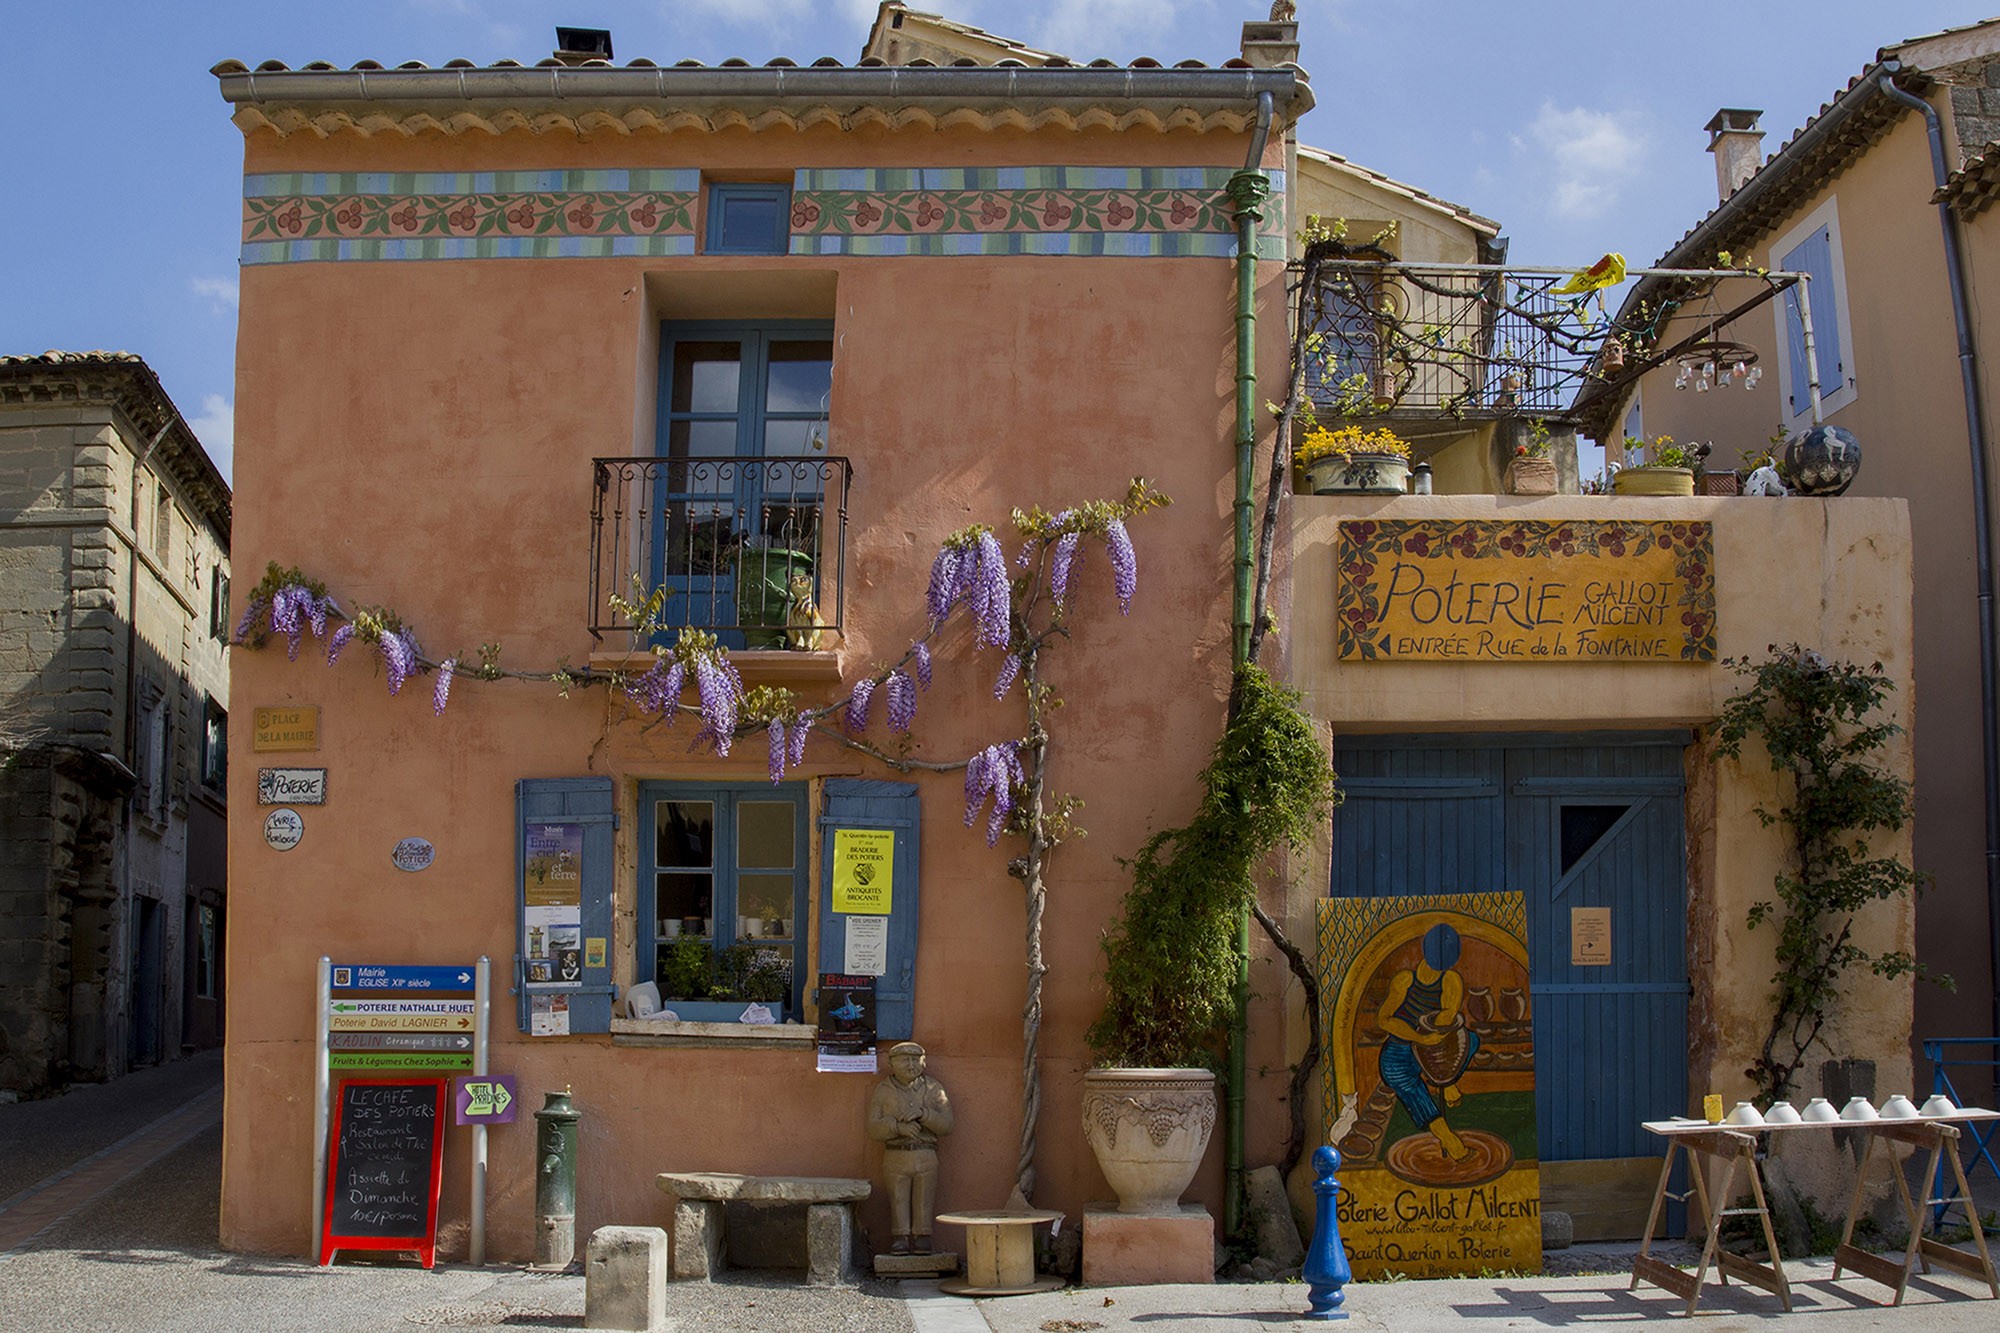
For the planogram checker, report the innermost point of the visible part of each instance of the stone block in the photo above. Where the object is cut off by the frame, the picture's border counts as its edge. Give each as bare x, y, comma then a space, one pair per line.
829, 1244
697, 1248
1558, 1229
1270, 1217
625, 1279
1140, 1250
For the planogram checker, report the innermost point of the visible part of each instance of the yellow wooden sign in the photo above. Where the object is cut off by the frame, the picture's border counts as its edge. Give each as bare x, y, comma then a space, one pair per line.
1449, 590
286, 727
864, 870
399, 1023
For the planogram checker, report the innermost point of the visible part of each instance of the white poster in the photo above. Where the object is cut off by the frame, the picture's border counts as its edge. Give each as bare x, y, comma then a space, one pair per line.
867, 946
548, 1015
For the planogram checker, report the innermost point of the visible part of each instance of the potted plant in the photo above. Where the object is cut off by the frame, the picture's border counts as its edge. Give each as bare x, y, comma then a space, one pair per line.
704, 987
1666, 468
1531, 471
1354, 460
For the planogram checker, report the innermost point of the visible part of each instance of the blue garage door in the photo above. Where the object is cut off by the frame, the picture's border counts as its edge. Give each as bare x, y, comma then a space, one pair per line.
1569, 822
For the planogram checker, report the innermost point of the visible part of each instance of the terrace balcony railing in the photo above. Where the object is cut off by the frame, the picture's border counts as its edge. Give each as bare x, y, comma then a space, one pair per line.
753, 550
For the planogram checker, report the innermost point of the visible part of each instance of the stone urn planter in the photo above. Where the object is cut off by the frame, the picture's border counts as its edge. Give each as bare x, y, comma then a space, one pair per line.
1531, 476
1149, 1129
1359, 473
1822, 460
1653, 481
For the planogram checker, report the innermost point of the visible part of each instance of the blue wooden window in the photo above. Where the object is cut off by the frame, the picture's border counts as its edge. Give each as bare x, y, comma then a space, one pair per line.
722, 865
1814, 256
731, 392
749, 219
864, 804
588, 802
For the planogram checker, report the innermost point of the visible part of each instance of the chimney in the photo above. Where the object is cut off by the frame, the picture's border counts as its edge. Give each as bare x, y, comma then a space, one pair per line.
1267, 45
575, 46
1738, 146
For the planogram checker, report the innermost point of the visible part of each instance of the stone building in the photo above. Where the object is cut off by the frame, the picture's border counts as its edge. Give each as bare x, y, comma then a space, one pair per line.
114, 688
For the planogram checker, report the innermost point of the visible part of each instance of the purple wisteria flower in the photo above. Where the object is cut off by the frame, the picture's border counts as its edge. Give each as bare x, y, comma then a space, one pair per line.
341, 638
251, 612
993, 771
1124, 563
779, 750
659, 689
801, 727
921, 656
1062, 564
1010, 667
316, 609
399, 655
287, 606
857, 705
443, 690
992, 599
945, 587
719, 695
902, 700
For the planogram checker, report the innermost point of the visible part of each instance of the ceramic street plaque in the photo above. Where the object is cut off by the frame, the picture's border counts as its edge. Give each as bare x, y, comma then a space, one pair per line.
291, 786
283, 828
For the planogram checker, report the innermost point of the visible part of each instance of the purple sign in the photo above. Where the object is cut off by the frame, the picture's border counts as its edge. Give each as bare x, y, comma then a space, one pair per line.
484, 1099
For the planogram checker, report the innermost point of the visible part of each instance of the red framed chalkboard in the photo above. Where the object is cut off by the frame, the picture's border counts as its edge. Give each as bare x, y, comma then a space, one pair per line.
384, 1166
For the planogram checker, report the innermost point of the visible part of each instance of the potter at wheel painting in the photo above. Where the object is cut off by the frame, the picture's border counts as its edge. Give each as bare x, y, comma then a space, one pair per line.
1431, 1096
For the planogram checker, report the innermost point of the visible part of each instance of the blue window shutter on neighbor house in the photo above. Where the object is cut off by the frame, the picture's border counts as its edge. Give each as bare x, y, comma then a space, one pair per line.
585, 801
856, 803
1814, 256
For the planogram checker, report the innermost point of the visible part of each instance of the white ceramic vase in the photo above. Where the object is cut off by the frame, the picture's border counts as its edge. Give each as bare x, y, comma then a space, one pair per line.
1149, 1129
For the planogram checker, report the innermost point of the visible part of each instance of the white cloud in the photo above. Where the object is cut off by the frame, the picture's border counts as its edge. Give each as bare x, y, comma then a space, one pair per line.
219, 292
1088, 29
215, 427
1591, 155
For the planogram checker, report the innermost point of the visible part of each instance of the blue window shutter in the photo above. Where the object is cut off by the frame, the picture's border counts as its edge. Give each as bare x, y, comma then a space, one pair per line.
856, 803
585, 801
1814, 256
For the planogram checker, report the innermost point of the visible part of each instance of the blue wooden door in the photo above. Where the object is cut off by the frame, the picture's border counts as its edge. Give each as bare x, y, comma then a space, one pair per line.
1568, 822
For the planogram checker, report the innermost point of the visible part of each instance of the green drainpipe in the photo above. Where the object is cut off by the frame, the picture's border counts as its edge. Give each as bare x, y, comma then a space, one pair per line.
1248, 190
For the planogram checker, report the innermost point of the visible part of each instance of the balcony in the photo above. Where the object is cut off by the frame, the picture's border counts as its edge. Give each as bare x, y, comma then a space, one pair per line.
752, 550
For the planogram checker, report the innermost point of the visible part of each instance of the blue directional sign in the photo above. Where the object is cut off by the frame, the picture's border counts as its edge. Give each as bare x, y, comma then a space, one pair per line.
379, 977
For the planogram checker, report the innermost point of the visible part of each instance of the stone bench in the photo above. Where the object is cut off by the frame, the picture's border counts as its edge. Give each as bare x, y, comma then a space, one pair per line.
700, 1244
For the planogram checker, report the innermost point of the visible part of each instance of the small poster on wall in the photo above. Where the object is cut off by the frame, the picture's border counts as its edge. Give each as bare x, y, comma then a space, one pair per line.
846, 1023
552, 891
1430, 1091
864, 866
548, 1015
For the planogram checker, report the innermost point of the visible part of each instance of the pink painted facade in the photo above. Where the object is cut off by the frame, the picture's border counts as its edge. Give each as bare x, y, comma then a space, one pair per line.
1028, 302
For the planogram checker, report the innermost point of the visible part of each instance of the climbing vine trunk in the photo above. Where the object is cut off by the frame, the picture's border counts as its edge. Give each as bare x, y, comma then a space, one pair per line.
1037, 891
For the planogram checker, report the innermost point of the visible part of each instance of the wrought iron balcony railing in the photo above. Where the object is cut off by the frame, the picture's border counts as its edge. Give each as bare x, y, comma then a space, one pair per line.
753, 550
1377, 336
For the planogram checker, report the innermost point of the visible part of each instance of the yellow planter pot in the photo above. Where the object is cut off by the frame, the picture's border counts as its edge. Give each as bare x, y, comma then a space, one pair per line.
1653, 481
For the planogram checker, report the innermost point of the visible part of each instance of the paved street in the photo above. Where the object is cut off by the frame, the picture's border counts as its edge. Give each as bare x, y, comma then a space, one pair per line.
108, 1222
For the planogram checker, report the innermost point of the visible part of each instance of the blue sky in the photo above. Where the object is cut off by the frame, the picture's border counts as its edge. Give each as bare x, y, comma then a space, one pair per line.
1576, 125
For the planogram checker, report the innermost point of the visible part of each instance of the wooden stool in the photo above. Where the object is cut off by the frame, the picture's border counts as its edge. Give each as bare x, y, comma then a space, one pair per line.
1000, 1252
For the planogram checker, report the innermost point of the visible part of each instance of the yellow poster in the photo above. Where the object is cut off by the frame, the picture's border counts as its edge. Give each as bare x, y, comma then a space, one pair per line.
1451, 590
864, 870
1430, 1088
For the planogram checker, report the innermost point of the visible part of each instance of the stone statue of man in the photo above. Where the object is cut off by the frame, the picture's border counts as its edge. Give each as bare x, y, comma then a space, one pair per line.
907, 1113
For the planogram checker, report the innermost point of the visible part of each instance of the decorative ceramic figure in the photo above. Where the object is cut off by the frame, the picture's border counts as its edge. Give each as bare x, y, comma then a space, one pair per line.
1937, 1106
1899, 1107
1859, 1108
1819, 1111
1744, 1114
907, 1113
1822, 460
1782, 1113
1765, 481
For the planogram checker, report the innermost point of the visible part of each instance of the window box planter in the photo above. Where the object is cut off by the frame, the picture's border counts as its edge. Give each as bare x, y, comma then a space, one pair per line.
1653, 481
1531, 476
719, 1011
1359, 473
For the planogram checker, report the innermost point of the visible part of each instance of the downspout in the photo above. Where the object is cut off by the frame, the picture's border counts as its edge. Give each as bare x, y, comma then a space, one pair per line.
1982, 522
1248, 189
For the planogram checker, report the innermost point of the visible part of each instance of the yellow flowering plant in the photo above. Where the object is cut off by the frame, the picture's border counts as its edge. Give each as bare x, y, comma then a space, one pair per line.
1346, 441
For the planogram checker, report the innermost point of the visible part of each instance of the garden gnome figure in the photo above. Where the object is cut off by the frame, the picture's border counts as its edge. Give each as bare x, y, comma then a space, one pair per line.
907, 1114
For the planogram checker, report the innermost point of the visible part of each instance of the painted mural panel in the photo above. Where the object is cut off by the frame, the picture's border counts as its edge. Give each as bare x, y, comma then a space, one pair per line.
1445, 590
1430, 1085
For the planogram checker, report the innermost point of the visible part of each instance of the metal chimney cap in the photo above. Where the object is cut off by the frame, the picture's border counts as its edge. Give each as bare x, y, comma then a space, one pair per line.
1733, 118
584, 43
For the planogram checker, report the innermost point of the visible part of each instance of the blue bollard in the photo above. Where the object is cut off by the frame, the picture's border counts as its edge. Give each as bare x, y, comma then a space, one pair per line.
1326, 1270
